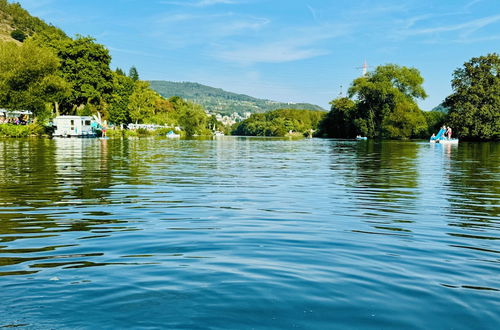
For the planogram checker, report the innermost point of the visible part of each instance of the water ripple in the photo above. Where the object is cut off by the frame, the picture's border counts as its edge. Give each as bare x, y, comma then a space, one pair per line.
248, 233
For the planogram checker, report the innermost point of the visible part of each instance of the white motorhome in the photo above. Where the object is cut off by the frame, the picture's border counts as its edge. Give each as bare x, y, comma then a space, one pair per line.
74, 126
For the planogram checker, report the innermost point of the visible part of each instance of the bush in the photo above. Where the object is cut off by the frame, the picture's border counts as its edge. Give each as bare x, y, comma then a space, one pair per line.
18, 35
140, 132
8, 130
37, 129
16, 131
143, 132
115, 133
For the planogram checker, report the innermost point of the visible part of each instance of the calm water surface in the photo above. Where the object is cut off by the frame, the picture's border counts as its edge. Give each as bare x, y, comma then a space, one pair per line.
241, 233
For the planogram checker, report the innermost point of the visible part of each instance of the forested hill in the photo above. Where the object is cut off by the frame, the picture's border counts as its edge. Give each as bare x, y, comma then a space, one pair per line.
220, 101
17, 23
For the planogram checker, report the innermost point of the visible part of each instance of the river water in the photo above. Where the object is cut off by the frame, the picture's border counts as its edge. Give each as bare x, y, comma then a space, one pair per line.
242, 233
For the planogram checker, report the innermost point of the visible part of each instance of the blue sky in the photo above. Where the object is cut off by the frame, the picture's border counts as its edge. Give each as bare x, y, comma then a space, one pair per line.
291, 51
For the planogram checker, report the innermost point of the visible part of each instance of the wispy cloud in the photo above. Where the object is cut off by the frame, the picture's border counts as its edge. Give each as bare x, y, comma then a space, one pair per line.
314, 13
471, 4
276, 52
465, 28
240, 25
303, 44
412, 21
185, 29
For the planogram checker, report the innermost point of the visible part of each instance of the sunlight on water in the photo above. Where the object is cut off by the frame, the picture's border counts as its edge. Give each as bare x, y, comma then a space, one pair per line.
244, 232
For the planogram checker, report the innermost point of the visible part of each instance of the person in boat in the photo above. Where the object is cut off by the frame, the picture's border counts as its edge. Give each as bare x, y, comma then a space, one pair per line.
448, 132
433, 137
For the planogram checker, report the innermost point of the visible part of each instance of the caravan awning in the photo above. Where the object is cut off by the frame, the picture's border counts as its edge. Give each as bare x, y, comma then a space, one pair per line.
14, 113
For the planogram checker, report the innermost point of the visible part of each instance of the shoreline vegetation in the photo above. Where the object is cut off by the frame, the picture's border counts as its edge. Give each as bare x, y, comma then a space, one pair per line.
50, 74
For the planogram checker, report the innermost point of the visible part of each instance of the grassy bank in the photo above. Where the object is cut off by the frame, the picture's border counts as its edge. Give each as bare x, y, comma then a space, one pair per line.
141, 132
10, 130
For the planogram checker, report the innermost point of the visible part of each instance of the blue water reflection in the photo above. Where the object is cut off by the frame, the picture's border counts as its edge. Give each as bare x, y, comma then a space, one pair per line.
242, 233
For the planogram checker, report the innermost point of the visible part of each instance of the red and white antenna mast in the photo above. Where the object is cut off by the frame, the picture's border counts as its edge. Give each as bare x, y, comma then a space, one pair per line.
364, 68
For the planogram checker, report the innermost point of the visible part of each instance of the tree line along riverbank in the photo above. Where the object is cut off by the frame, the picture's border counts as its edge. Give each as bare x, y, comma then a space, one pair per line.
49, 73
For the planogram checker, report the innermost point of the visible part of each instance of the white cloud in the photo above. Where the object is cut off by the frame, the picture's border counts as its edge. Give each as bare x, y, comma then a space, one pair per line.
277, 52
235, 26
179, 30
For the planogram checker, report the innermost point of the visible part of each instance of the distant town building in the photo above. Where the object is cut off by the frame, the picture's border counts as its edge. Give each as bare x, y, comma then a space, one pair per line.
232, 119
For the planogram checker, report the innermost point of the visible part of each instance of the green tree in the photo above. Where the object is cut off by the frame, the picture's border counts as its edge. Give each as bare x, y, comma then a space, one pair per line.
435, 120
55, 90
279, 123
193, 120
339, 123
29, 77
133, 73
141, 104
164, 112
123, 87
404, 121
50, 38
214, 125
474, 106
120, 72
85, 64
387, 102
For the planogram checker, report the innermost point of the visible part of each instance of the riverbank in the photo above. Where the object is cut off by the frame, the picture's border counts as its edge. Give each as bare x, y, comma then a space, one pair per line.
17, 131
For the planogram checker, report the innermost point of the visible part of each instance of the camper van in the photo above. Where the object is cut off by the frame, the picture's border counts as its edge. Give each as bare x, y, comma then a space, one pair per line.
74, 126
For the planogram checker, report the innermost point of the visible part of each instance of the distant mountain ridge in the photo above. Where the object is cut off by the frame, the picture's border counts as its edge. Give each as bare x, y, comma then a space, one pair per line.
441, 108
217, 100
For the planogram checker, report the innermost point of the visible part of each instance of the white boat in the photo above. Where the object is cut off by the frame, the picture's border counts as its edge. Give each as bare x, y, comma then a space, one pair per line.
218, 133
444, 141
441, 137
74, 126
361, 137
173, 135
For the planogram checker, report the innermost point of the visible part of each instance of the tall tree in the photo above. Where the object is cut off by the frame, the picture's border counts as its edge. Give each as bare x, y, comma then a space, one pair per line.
142, 103
123, 87
387, 102
193, 119
474, 106
339, 122
29, 77
133, 73
120, 72
85, 64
